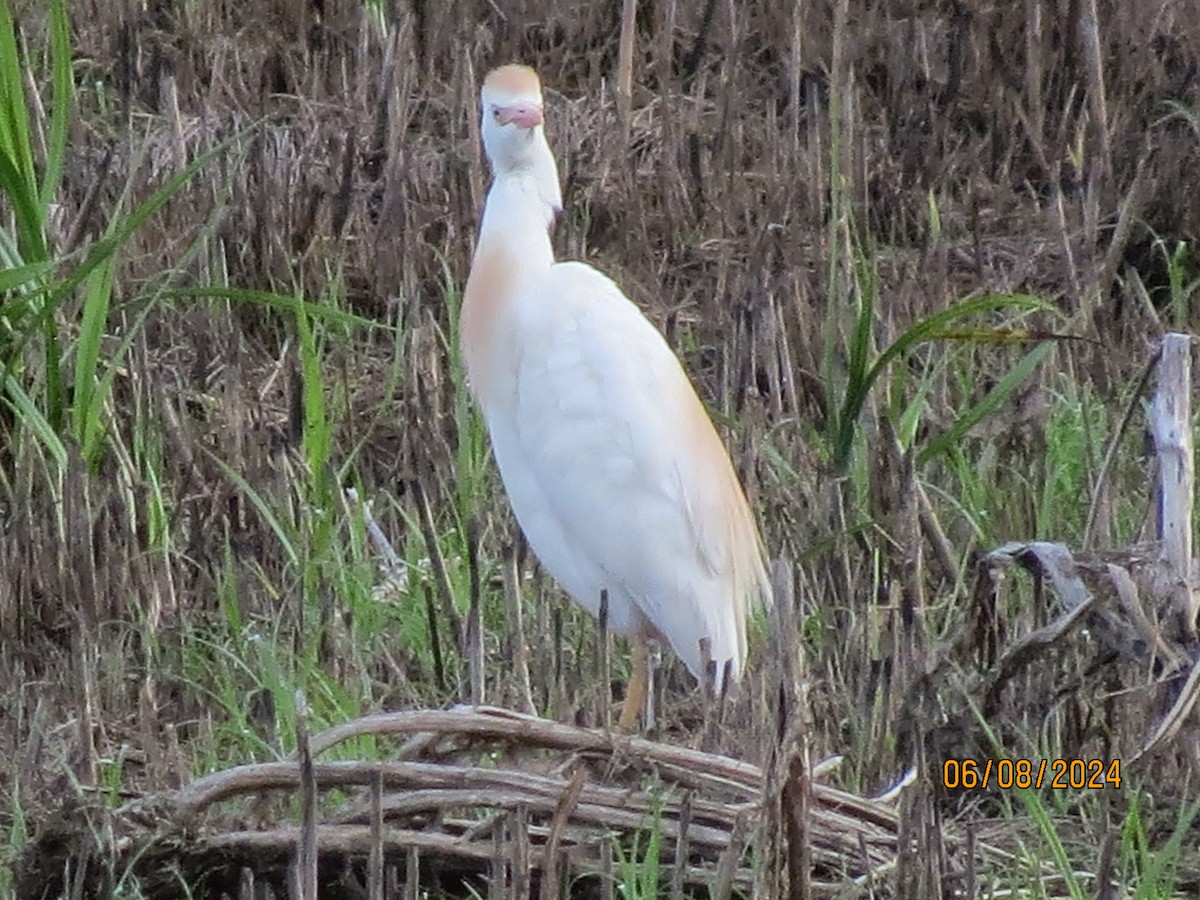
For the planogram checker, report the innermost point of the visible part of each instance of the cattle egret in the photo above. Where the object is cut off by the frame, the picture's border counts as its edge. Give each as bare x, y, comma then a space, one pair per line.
612, 465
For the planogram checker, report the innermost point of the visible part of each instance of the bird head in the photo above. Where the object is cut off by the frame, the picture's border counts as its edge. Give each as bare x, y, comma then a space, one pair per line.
513, 130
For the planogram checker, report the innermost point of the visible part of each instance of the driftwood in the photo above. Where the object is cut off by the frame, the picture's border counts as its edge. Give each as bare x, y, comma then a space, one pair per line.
1139, 601
1118, 617
473, 793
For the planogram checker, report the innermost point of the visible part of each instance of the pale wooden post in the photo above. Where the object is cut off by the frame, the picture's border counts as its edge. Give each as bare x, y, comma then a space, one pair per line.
1171, 426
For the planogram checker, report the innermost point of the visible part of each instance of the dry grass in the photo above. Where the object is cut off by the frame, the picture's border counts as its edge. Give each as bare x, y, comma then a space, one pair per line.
1002, 148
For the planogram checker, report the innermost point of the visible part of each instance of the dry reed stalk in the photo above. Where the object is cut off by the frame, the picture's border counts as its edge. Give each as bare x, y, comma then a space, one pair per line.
519, 853
679, 869
80, 562
468, 101
1093, 56
625, 49
437, 563
340, 212
708, 728
518, 647
1059, 217
1035, 72
474, 647
606, 870
412, 874
498, 865
559, 686
1100, 482
603, 692
375, 860
558, 825
169, 94
306, 847
435, 644
1130, 211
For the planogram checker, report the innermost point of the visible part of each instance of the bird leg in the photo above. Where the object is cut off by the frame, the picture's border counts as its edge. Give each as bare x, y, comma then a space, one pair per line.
653, 670
635, 692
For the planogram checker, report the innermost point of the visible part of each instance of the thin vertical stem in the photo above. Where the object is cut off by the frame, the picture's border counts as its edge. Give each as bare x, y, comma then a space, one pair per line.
603, 664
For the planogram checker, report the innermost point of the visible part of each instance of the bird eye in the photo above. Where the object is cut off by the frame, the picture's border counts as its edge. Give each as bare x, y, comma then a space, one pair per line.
496, 112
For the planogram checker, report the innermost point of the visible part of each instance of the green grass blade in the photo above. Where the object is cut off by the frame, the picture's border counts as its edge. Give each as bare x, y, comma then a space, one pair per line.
32, 418
1164, 865
265, 511
928, 328
994, 399
103, 388
18, 177
859, 386
22, 276
22, 195
1036, 808
281, 302
317, 433
88, 402
62, 103
858, 366
121, 232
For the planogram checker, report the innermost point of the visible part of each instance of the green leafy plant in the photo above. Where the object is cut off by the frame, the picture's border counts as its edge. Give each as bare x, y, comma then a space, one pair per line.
640, 866
863, 366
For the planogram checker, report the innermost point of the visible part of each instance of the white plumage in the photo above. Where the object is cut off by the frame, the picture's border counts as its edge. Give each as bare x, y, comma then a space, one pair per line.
613, 468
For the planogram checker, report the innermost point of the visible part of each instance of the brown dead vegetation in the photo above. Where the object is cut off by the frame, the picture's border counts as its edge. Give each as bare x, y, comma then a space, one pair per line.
1044, 132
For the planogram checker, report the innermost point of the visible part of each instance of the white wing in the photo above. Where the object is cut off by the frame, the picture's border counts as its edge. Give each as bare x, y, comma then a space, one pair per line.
616, 473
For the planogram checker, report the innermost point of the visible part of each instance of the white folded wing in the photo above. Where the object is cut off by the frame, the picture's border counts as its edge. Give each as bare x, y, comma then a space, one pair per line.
616, 473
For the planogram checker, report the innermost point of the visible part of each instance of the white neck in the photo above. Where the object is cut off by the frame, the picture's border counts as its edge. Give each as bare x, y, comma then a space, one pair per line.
518, 217
513, 250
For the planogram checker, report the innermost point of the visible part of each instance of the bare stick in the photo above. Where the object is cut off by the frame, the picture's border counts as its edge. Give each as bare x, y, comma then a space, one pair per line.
474, 616
1089, 36
435, 642
560, 693
390, 558
519, 650
441, 577
375, 860
306, 852
1175, 717
625, 66
558, 826
679, 872
519, 841
412, 873
603, 665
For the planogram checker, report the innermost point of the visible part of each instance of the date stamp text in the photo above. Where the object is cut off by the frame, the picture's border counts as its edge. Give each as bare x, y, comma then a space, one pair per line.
1057, 774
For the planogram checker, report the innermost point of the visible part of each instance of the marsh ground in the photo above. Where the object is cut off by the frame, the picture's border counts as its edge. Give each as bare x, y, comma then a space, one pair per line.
793, 188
